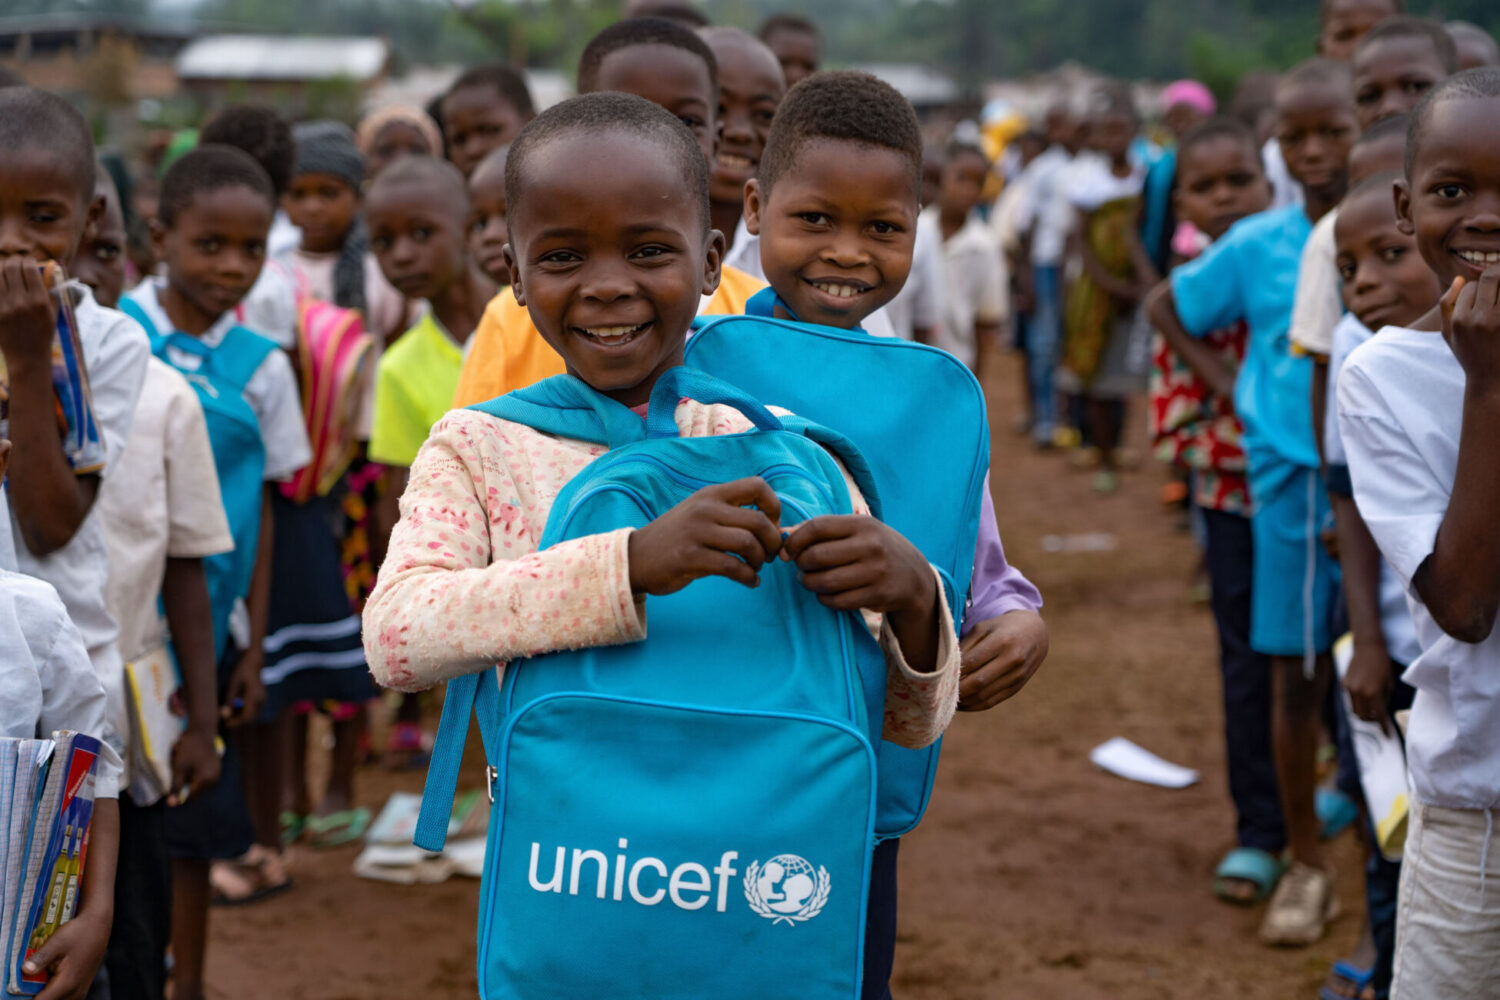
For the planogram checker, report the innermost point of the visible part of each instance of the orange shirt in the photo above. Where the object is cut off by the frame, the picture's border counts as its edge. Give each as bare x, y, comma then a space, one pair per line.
508, 353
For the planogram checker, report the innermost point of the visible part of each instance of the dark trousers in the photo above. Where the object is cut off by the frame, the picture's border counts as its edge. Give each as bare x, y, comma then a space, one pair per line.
1247, 685
136, 958
880, 923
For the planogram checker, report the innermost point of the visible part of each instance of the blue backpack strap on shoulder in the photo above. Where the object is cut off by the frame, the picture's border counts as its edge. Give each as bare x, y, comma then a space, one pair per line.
567, 407
240, 355
131, 308
470, 693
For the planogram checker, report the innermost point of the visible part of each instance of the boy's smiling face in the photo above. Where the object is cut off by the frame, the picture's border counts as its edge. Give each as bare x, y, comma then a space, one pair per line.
1451, 198
43, 212
417, 235
751, 85
837, 229
1219, 182
610, 253
1384, 281
213, 251
671, 77
1392, 74
1315, 126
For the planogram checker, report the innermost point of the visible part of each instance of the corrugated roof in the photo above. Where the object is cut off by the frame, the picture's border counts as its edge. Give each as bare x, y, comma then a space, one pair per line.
282, 57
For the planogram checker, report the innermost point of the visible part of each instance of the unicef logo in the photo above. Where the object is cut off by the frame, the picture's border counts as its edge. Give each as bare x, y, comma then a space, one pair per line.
786, 888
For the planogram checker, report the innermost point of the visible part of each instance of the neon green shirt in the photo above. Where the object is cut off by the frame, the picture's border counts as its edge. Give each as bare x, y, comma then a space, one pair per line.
414, 386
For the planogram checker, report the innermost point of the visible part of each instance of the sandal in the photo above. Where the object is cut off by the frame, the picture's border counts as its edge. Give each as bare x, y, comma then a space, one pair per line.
339, 828
255, 875
1260, 869
292, 826
1336, 812
1357, 979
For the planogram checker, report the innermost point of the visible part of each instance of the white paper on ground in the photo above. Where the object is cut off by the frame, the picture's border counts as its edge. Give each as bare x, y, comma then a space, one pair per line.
1121, 757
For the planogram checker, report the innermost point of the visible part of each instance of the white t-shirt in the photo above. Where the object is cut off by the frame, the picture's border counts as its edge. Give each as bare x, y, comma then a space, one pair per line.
746, 257
919, 304
1038, 211
161, 500
271, 307
1284, 190
1401, 398
271, 392
1320, 302
1091, 183
1395, 618
115, 352
976, 286
46, 680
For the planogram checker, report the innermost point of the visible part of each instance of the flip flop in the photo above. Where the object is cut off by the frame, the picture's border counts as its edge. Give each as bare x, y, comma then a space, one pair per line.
339, 828
1351, 974
292, 826
255, 875
1336, 812
1247, 864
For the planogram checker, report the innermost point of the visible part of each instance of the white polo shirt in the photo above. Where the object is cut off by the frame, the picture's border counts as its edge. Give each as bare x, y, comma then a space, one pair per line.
1400, 399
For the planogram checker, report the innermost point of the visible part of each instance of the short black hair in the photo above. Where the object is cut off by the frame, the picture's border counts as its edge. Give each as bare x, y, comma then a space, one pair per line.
1461, 31
1113, 98
637, 31
842, 105
1402, 26
1385, 128
504, 79
788, 21
205, 169
962, 147
1475, 84
1316, 72
1215, 128
260, 131
599, 113
1385, 180
437, 175
1397, 7
31, 118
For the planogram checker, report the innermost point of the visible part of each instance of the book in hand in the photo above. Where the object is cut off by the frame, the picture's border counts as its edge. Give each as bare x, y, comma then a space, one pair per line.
46, 810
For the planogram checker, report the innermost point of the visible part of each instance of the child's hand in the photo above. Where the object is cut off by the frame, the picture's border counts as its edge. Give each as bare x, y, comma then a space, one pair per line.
195, 765
246, 693
729, 529
28, 321
72, 954
1471, 325
999, 656
854, 562
1369, 684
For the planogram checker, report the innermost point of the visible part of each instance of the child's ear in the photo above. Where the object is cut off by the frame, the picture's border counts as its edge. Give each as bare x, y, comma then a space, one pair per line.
713, 261
752, 206
515, 275
1401, 191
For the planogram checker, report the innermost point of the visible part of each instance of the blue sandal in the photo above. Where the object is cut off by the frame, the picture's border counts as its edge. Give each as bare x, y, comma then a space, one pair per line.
1336, 812
1351, 974
1247, 864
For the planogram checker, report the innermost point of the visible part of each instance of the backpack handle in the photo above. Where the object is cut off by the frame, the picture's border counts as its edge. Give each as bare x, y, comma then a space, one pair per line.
677, 383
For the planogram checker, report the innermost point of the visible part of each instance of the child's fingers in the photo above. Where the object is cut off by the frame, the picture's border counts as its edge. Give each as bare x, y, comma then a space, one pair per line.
726, 565
741, 542
851, 600
750, 491
754, 521
829, 554
1448, 304
822, 529
1488, 294
840, 579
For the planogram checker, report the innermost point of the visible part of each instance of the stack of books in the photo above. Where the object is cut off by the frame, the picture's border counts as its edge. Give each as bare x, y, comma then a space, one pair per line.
46, 809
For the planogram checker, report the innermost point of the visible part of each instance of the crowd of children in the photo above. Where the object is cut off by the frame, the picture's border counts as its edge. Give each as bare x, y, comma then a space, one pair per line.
299, 502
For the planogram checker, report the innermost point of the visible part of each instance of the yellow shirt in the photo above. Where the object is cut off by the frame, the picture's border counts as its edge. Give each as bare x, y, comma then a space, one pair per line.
508, 352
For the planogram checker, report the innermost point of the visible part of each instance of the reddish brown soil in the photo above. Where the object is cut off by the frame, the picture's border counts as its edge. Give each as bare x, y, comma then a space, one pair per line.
1034, 876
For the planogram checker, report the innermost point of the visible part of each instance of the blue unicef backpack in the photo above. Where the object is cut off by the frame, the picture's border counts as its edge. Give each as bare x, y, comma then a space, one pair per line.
917, 415
239, 450
691, 815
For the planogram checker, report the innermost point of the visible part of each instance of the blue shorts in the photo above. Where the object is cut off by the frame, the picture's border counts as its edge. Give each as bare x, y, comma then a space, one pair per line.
1296, 581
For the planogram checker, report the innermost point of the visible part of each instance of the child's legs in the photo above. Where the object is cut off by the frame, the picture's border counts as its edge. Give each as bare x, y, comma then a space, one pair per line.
1295, 730
1106, 422
1229, 555
264, 767
136, 959
348, 723
189, 926
880, 923
1448, 924
297, 796
1044, 333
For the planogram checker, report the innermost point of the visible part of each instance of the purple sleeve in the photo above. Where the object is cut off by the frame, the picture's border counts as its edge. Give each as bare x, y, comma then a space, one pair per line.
997, 587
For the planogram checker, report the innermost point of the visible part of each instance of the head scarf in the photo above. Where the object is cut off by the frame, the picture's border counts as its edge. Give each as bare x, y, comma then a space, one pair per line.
376, 121
327, 147
1189, 92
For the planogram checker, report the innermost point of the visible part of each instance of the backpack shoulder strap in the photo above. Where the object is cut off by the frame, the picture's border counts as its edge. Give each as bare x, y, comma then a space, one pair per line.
130, 307
475, 694
567, 407
239, 355
845, 450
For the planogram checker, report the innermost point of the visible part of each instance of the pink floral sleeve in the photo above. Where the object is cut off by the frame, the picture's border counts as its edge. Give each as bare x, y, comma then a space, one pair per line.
464, 587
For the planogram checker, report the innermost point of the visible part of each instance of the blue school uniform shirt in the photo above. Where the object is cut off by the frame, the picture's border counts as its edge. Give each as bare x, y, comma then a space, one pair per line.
1250, 274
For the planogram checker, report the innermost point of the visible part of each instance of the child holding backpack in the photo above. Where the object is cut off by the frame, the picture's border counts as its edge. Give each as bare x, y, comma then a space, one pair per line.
610, 251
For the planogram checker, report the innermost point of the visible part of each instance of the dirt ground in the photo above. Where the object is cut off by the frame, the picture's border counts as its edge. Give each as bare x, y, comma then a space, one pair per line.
1034, 876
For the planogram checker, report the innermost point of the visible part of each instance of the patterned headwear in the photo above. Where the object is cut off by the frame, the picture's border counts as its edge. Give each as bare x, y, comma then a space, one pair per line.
376, 121
327, 147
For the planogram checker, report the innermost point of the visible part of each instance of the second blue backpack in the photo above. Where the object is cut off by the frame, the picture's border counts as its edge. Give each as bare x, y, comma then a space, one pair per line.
917, 415
239, 450
691, 815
